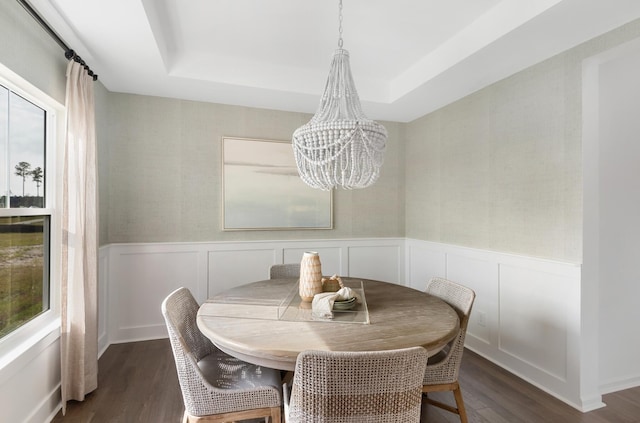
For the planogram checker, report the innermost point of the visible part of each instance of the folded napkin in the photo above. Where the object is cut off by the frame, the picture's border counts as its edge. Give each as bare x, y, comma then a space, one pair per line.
322, 304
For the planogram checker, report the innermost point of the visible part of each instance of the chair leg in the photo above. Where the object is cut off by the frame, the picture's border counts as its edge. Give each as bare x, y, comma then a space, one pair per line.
276, 415
457, 393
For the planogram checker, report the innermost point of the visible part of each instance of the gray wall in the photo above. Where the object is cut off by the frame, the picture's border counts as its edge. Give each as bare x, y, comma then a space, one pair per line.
28, 50
162, 181
501, 169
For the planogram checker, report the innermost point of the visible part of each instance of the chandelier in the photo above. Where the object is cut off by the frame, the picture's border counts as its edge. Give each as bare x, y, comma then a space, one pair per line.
339, 146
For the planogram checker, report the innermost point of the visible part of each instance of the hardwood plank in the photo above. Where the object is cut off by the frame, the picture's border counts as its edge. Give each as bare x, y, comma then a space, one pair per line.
494, 395
138, 383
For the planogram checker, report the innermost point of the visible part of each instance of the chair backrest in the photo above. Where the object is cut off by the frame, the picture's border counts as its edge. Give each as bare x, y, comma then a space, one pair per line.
461, 299
457, 296
180, 310
372, 386
189, 345
281, 271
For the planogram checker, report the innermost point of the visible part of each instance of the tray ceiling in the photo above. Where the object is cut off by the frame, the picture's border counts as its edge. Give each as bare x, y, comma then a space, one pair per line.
408, 57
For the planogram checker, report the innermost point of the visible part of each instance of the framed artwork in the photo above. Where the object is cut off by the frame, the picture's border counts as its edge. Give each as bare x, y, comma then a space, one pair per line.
263, 191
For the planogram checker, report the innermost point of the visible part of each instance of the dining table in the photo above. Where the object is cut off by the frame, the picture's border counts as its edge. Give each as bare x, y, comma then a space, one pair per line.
266, 322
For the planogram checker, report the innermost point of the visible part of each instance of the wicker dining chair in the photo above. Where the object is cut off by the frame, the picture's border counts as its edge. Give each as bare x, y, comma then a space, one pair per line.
281, 271
215, 386
443, 368
350, 387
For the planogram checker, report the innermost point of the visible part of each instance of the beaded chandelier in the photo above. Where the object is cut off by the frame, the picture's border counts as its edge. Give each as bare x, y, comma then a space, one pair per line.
339, 146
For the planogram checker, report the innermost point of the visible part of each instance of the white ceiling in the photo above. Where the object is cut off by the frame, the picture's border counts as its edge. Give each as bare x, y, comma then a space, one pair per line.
408, 57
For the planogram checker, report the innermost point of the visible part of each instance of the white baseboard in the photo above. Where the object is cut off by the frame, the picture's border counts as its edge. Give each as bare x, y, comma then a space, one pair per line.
631, 381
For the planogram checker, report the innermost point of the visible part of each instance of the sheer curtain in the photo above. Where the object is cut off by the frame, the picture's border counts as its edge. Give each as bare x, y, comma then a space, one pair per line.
79, 322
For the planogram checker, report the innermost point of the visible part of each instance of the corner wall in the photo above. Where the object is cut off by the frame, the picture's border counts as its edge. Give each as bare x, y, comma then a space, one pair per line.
502, 170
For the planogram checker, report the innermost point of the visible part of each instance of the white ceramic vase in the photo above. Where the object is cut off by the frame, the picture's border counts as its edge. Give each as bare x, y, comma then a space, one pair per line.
310, 276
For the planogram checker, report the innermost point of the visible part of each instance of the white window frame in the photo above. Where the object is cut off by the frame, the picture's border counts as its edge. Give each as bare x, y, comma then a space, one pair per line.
16, 343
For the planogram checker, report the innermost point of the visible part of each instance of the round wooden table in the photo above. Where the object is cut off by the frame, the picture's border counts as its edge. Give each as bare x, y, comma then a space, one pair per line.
399, 317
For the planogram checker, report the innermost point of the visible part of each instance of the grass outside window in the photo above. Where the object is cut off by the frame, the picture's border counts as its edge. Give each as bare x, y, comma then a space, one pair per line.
24, 277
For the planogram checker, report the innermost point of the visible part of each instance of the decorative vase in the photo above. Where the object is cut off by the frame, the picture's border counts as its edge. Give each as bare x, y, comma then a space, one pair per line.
310, 276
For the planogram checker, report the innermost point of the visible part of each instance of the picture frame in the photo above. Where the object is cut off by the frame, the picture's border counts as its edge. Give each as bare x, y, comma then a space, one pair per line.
262, 189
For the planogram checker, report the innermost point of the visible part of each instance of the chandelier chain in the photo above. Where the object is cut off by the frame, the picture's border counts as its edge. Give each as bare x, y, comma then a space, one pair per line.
340, 24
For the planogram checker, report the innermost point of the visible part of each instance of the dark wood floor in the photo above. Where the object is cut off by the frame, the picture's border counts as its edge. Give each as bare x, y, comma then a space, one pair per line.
138, 383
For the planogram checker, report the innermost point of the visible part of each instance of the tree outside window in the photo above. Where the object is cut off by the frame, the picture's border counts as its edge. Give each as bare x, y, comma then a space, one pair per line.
23, 169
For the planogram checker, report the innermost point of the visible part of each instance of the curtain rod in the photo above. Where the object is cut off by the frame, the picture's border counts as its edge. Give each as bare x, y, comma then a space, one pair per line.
68, 53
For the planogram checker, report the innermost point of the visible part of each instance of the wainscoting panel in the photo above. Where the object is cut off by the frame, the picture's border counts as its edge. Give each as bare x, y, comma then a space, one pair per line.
533, 318
381, 262
103, 295
526, 316
139, 276
423, 263
229, 268
480, 273
30, 383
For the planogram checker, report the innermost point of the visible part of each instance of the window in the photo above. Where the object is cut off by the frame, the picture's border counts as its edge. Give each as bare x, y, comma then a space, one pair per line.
27, 203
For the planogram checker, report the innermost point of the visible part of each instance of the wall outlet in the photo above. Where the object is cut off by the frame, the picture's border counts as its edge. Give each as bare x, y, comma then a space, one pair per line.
482, 318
